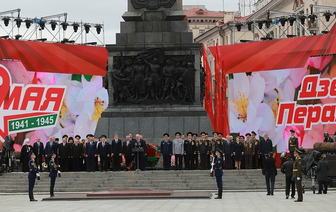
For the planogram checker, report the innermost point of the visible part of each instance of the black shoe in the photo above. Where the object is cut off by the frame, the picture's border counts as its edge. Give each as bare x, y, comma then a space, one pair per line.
272, 194
287, 197
293, 197
218, 197
33, 200
318, 193
297, 200
267, 194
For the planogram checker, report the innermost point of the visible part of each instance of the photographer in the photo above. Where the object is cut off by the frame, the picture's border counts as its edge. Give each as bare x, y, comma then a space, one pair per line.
270, 172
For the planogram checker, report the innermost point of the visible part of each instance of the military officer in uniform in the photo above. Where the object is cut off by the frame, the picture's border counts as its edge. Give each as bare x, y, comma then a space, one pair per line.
293, 143
213, 143
166, 149
204, 151
248, 151
218, 167
33, 173
297, 174
53, 173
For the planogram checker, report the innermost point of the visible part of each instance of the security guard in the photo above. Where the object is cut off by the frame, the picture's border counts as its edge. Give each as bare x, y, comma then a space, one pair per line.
33, 173
293, 143
218, 166
53, 173
297, 174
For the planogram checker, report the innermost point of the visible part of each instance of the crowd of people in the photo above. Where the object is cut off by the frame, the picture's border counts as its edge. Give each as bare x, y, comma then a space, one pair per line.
76, 154
188, 152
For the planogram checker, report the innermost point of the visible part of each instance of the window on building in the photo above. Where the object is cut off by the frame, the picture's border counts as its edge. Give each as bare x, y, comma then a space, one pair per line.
201, 31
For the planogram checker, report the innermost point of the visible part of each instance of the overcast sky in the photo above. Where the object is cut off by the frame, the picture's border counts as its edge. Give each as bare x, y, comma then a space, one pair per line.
108, 12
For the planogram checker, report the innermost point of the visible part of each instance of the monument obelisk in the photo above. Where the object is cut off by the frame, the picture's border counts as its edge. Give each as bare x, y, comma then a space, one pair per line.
154, 74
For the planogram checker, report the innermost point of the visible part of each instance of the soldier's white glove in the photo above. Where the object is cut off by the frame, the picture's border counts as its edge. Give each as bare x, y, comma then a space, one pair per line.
298, 178
212, 164
37, 175
59, 172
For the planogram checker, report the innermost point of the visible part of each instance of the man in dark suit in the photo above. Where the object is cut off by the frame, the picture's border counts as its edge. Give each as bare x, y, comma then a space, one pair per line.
322, 174
227, 151
144, 157
266, 146
138, 143
270, 172
104, 151
49, 148
90, 153
116, 152
287, 169
127, 151
64, 153
77, 153
38, 150
188, 151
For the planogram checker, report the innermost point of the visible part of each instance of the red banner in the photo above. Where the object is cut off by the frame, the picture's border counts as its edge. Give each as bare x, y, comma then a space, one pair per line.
56, 57
275, 54
208, 104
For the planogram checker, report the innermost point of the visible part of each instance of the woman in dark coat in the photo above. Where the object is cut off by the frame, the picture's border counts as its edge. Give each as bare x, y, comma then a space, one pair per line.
24, 155
238, 150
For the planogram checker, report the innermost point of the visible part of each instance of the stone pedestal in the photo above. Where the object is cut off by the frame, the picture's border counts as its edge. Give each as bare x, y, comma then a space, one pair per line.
145, 29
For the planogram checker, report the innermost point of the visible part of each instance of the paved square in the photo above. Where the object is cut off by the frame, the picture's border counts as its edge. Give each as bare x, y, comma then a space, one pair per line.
233, 201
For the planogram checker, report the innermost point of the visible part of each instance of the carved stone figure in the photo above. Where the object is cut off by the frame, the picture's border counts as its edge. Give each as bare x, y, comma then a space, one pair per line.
169, 81
152, 4
154, 79
139, 78
189, 81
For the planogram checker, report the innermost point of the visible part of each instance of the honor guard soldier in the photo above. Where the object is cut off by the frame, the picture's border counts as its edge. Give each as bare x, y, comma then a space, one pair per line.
204, 151
248, 151
53, 173
293, 143
218, 167
188, 151
297, 174
32, 175
166, 149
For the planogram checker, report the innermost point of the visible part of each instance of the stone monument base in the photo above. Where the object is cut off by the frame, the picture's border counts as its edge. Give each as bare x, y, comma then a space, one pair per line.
153, 121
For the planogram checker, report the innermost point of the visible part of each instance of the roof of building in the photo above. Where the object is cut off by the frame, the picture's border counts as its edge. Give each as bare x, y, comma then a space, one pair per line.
197, 13
241, 19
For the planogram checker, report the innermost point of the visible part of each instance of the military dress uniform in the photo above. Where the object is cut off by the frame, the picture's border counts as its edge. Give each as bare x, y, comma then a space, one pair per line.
293, 143
166, 149
297, 175
218, 166
53, 174
248, 152
203, 149
194, 157
31, 177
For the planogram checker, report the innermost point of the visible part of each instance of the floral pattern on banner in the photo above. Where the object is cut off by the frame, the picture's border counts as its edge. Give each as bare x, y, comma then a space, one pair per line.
85, 100
254, 100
